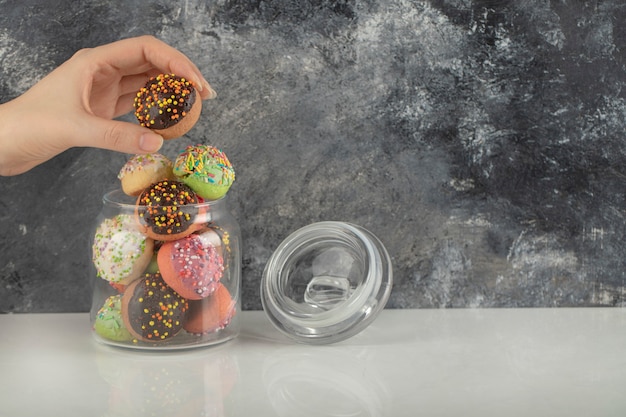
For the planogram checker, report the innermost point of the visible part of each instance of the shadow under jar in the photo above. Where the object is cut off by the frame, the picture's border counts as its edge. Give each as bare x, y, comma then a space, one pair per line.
175, 289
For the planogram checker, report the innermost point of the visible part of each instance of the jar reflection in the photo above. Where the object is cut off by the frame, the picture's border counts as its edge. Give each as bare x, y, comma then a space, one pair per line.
336, 380
172, 384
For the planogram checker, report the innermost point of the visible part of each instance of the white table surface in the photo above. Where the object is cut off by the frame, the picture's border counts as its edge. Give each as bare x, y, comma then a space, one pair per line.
505, 362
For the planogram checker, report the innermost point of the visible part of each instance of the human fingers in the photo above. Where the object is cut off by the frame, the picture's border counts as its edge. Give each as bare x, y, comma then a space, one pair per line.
124, 104
118, 136
132, 83
139, 54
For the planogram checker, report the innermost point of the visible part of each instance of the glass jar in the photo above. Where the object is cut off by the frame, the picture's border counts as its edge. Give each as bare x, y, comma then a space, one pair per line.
326, 282
173, 292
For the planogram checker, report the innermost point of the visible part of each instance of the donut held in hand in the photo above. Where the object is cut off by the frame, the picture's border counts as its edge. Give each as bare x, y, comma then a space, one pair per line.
169, 105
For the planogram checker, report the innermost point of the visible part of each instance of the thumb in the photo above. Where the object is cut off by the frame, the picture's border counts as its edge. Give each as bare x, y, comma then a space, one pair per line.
121, 137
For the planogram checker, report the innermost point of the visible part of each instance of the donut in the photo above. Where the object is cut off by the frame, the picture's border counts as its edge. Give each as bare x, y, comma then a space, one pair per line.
167, 210
141, 171
209, 236
168, 104
120, 252
109, 323
218, 237
151, 310
210, 314
191, 266
206, 170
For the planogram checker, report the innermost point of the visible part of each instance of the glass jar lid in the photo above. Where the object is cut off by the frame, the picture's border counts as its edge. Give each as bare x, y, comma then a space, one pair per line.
326, 282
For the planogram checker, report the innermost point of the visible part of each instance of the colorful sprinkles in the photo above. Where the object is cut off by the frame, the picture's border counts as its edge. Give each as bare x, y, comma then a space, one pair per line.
109, 323
197, 266
206, 162
165, 212
117, 247
155, 311
139, 162
164, 101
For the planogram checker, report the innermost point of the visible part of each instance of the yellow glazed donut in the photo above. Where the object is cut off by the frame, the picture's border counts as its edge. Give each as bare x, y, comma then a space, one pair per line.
141, 171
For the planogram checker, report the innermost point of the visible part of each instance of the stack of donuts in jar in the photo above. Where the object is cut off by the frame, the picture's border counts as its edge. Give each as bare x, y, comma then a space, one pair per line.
164, 260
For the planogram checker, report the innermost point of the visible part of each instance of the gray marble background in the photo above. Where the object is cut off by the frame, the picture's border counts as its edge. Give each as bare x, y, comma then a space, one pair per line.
482, 141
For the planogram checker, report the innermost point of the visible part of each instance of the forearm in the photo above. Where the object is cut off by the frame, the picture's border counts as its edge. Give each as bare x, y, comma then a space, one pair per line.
12, 139
30, 134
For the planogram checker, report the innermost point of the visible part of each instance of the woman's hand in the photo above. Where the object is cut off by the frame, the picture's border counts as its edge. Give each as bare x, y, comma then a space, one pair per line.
74, 105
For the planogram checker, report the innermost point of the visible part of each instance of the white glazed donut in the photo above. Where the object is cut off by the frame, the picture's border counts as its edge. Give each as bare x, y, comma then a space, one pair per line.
120, 251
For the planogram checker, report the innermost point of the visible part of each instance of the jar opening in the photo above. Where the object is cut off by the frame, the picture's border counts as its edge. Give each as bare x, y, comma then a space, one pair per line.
118, 199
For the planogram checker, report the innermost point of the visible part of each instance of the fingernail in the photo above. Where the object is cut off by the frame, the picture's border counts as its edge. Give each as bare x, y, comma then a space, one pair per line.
150, 142
212, 93
198, 83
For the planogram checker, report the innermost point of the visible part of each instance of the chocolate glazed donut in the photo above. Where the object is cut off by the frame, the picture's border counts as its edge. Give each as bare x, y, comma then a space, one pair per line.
151, 310
169, 105
168, 210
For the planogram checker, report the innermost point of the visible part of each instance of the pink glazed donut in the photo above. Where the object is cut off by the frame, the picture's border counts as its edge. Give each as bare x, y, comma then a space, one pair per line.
192, 266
